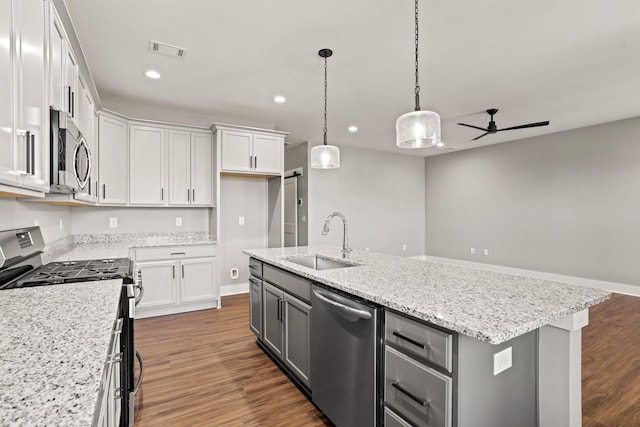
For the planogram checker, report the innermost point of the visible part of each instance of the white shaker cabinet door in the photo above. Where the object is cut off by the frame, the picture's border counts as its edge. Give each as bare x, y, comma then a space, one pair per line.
159, 279
32, 116
7, 133
179, 168
236, 151
113, 160
57, 42
268, 152
147, 170
197, 278
201, 169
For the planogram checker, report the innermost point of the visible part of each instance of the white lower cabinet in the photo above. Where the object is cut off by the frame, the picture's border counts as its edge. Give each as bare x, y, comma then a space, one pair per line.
176, 279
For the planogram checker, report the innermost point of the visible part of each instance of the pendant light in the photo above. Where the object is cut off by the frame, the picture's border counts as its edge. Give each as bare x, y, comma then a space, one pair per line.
418, 129
325, 156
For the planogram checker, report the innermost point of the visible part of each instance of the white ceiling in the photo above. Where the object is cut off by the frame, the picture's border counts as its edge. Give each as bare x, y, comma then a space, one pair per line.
573, 62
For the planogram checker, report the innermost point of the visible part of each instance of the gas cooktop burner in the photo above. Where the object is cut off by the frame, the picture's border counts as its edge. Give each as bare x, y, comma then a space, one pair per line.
77, 271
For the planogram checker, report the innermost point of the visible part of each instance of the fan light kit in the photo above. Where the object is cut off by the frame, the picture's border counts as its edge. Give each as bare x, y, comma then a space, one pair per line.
418, 129
325, 156
492, 128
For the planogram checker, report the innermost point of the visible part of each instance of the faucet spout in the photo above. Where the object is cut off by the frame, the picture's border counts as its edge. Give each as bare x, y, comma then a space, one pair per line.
345, 239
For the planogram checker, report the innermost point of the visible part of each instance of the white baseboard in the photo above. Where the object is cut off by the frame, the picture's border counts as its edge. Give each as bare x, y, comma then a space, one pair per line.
236, 288
619, 288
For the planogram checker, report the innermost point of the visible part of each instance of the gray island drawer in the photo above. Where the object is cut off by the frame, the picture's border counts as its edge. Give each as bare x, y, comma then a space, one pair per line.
419, 340
291, 283
420, 394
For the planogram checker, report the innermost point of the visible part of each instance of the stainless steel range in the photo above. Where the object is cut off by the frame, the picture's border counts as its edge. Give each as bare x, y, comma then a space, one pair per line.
21, 266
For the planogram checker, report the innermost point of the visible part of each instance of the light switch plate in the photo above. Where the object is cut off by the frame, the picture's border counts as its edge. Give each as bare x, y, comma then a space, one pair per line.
179, 221
240, 220
113, 222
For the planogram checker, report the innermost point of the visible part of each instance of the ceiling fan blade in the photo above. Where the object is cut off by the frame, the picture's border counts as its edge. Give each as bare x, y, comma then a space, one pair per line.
478, 137
471, 126
530, 125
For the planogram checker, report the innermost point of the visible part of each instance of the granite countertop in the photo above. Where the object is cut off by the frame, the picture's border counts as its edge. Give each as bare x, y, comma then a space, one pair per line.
97, 246
53, 347
489, 306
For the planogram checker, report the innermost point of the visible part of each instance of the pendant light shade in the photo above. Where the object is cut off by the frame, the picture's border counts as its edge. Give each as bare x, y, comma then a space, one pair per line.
418, 129
325, 156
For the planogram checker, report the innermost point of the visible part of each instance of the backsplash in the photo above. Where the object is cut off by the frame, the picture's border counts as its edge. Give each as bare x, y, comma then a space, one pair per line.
55, 221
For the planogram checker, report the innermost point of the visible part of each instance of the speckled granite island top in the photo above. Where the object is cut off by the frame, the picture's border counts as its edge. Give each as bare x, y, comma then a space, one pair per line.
489, 306
53, 347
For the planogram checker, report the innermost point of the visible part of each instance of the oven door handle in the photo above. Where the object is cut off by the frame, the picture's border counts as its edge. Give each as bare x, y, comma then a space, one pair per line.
141, 293
141, 362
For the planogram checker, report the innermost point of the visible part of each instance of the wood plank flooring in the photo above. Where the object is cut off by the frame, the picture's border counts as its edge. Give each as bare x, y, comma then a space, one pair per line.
204, 369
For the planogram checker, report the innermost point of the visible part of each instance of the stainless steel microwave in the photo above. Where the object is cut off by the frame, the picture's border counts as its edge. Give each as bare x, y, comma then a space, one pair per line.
70, 156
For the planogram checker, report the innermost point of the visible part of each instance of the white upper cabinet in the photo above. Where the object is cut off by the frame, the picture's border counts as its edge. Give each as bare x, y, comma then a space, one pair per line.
253, 152
8, 173
113, 160
201, 169
24, 142
147, 166
190, 168
57, 49
70, 82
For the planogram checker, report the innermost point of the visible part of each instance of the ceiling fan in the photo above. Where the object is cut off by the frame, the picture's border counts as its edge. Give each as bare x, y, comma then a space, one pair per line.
492, 128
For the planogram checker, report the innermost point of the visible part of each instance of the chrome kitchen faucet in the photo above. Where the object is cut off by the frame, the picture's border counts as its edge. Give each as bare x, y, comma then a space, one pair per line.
345, 239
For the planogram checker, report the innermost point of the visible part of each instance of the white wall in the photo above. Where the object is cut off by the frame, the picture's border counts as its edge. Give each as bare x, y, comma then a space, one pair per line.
16, 214
566, 203
95, 219
381, 194
246, 197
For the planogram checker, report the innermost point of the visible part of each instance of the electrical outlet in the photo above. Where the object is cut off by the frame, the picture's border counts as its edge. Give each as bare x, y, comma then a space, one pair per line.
472, 251
366, 249
502, 361
61, 224
179, 221
304, 218
233, 273
240, 220
113, 222
404, 247
486, 252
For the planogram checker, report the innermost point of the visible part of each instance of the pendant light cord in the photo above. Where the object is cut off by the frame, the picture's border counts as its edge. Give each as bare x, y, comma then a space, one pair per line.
324, 130
417, 89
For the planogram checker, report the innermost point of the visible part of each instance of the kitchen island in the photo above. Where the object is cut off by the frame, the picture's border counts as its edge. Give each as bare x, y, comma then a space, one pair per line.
480, 306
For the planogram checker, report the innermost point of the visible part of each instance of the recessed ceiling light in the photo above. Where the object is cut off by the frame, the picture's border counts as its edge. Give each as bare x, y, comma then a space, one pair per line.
279, 99
353, 129
152, 74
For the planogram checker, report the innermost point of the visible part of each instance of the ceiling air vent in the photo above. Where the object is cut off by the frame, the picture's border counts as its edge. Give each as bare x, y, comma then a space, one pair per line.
167, 49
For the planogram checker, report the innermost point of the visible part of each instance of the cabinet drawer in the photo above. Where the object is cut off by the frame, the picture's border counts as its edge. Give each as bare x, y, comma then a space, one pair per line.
391, 419
291, 283
174, 252
420, 394
255, 267
419, 340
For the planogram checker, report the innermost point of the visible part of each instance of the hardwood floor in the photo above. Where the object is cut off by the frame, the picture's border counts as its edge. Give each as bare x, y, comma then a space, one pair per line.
611, 364
204, 369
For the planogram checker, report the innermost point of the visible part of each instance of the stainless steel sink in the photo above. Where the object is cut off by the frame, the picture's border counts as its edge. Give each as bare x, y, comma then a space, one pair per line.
318, 262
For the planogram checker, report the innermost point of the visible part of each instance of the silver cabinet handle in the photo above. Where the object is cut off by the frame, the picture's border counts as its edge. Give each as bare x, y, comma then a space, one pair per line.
255, 162
410, 395
411, 340
161, 193
141, 362
250, 162
104, 191
69, 99
178, 253
182, 271
27, 146
97, 194
193, 194
173, 271
188, 195
362, 314
283, 314
33, 154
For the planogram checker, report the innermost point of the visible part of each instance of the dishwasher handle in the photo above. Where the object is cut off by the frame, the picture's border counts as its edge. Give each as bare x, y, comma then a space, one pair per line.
359, 314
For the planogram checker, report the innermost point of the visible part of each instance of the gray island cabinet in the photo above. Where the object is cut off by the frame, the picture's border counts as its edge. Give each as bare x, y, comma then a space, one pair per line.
458, 346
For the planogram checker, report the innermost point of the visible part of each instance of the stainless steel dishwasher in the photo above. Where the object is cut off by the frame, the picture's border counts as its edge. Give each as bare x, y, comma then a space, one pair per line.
345, 344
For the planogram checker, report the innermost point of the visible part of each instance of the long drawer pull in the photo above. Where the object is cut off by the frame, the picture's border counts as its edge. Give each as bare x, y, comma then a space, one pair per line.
178, 253
410, 395
411, 340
